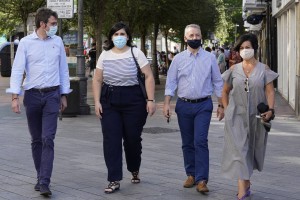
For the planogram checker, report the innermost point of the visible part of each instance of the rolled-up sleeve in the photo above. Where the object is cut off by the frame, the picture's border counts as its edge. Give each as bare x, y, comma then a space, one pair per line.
18, 69
217, 80
64, 72
172, 81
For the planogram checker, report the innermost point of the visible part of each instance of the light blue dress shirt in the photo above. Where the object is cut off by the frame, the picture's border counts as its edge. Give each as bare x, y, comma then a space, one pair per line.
195, 76
44, 62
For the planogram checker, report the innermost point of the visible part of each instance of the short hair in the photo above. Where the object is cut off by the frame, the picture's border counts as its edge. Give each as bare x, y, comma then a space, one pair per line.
252, 38
43, 14
108, 44
191, 26
208, 49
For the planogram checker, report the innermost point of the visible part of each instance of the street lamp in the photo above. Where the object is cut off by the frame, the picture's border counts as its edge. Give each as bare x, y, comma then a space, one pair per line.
80, 69
235, 32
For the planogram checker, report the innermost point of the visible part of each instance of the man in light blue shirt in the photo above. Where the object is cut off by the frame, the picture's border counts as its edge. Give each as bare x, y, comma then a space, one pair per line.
42, 57
196, 75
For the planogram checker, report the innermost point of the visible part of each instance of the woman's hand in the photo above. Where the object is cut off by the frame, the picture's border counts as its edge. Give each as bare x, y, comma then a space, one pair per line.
98, 109
151, 107
266, 116
220, 113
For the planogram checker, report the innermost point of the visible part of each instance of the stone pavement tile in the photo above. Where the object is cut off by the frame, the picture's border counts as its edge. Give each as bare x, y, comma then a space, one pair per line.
11, 196
74, 192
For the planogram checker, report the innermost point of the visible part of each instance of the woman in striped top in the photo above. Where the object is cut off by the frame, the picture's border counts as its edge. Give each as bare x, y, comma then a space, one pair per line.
120, 104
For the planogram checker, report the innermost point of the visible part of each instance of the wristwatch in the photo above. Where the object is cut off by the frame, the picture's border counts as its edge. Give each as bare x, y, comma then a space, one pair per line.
153, 100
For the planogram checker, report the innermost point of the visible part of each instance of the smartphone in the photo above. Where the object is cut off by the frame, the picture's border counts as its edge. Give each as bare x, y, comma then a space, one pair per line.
168, 118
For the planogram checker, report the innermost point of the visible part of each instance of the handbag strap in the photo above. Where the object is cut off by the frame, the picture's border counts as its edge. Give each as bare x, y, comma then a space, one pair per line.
136, 63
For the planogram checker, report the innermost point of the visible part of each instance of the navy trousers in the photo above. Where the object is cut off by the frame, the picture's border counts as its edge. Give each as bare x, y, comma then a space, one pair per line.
42, 111
123, 118
194, 120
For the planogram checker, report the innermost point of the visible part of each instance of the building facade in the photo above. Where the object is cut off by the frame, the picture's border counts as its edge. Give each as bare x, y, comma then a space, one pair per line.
287, 14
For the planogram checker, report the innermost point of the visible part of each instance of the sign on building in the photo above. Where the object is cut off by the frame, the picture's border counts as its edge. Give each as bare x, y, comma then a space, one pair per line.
64, 8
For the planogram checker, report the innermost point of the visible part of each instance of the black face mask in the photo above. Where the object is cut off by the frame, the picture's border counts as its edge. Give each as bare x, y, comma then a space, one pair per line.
194, 44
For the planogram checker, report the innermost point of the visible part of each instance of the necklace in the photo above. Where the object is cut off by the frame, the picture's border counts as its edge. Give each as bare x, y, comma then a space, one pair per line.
249, 68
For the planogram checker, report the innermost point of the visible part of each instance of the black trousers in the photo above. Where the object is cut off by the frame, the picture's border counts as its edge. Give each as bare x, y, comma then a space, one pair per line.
123, 118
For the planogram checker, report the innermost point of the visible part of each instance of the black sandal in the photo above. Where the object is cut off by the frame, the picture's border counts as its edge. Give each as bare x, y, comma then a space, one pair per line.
112, 187
135, 177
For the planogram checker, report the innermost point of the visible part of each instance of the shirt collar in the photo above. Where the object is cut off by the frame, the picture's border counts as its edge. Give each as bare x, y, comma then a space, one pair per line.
35, 36
190, 53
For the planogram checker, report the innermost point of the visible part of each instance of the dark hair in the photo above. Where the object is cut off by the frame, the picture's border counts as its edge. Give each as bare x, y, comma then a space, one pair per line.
108, 44
252, 38
208, 49
43, 14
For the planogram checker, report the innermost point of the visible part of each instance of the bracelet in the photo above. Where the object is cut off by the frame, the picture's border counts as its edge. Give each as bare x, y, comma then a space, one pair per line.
272, 110
151, 100
220, 106
14, 98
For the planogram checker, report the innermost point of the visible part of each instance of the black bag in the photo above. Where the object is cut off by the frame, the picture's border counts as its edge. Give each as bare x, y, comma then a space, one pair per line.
140, 76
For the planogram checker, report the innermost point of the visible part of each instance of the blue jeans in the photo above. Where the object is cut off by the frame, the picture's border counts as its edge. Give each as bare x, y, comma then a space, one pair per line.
42, 111
194, 120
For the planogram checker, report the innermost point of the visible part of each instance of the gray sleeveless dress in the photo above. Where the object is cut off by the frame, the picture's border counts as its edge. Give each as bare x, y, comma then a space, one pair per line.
245, 136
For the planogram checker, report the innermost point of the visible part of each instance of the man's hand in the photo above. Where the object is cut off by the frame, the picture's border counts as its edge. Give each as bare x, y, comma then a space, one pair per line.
15, 105
63, 103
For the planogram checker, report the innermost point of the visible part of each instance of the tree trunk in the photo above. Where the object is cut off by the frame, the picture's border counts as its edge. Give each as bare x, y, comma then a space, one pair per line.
167, 51
25, 26
143, 32
143, 42
154, 54
99, 27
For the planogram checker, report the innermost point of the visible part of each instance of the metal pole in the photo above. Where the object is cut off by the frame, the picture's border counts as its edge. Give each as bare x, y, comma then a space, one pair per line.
235, 32
80, 69
60, 28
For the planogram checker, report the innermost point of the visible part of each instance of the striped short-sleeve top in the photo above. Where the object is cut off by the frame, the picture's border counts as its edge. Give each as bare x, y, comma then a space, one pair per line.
119, 69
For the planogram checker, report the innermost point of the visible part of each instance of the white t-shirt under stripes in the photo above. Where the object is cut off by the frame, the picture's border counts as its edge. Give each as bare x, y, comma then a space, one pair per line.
119, 69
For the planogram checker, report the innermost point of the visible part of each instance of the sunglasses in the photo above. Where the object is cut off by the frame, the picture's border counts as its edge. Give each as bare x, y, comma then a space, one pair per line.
247, 85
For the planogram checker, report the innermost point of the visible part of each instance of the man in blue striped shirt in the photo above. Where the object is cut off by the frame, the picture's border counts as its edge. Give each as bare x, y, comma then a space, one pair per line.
42, 57
196, 75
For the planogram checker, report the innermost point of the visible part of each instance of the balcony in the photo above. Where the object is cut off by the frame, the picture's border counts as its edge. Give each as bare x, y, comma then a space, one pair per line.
254, 6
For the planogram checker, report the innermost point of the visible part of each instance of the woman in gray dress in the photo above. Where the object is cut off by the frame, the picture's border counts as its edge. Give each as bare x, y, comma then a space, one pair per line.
247, 84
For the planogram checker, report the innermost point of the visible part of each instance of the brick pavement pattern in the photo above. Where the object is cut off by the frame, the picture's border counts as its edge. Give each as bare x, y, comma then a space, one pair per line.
80, 172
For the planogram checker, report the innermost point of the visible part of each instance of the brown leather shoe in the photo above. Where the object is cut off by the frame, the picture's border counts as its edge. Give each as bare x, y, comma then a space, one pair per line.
201, 187
190, 182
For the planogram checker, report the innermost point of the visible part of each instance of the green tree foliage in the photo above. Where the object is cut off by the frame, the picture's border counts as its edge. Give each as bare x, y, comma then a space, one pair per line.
233, 10
16, 12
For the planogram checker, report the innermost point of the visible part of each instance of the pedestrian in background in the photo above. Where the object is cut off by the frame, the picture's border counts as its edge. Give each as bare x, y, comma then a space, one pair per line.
221, 60
196, 75
120, 104
42, 57
234, 57
92, 56
247, 84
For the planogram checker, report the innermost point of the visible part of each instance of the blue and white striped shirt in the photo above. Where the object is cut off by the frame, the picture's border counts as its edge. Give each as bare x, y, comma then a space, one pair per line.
44, 62
119, 69
195, 76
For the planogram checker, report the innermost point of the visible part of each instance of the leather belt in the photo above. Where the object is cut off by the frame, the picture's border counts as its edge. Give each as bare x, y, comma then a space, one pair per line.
194, 100
47, 89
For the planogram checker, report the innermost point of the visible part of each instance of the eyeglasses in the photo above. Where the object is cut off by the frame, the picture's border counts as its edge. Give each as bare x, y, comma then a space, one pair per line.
52, 24
247, 85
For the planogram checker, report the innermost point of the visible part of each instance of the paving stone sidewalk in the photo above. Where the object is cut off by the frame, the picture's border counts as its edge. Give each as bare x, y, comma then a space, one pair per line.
80, 172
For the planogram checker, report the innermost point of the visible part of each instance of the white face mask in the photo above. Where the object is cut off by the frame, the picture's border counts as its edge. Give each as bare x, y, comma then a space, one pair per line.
247, 54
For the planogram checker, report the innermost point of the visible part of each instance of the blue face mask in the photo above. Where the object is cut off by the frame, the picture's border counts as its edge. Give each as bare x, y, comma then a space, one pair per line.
52, 31
120, 41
